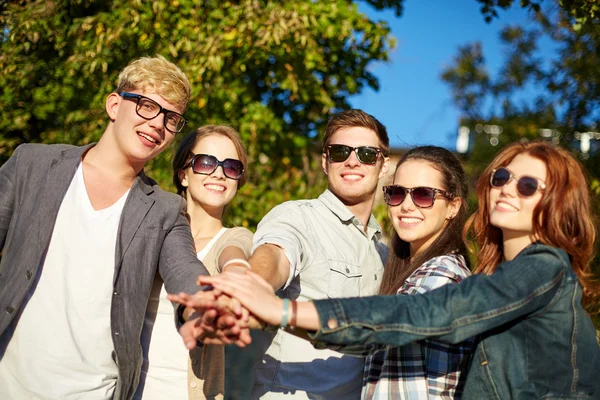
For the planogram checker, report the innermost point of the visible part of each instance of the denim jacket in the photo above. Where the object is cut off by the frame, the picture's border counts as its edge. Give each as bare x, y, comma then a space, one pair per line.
535, 339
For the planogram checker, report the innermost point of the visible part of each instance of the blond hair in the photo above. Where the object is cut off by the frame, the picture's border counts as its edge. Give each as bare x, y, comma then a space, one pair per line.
156, 75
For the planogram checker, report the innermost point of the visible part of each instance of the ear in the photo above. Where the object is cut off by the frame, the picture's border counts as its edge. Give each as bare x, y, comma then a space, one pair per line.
453, 208
182, 178
112, 105
324, 162
385, 167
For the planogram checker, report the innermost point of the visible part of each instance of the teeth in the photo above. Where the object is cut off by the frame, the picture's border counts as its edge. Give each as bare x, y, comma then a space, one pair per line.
149, 138
352, 177
410, 220
507, 206
215, 187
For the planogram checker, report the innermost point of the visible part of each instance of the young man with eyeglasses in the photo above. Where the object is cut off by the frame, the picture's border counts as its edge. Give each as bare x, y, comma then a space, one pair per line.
325, 247
84, 232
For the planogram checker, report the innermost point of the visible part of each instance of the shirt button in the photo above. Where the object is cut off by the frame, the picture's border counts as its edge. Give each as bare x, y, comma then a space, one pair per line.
193, 384
116, 293
347, 270
10, 310
117, 333
332, 323
29, 274
375, 276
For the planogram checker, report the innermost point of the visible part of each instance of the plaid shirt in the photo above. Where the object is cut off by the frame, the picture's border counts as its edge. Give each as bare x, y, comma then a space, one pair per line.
427, 369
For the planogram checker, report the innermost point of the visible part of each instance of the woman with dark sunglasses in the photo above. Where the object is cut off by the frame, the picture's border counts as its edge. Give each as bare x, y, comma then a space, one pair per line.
209, 168
526, 304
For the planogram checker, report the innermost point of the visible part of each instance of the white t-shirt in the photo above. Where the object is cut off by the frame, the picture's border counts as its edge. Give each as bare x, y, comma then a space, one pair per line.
165, 367
61, 346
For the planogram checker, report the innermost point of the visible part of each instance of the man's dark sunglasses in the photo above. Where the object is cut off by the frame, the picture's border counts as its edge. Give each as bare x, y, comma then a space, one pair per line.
527, 185
422, 196
341, 152
206, 164
149, 109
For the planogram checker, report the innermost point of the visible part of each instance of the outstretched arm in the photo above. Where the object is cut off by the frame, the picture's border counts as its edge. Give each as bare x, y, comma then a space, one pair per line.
258, 297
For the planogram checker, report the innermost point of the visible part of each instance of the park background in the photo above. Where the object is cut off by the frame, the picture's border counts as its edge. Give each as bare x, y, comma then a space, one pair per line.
469, 75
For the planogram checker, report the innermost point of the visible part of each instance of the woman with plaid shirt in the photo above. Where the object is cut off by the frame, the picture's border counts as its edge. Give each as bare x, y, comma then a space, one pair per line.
426, 254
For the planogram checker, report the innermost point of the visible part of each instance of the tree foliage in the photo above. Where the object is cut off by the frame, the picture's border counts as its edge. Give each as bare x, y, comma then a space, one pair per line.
533, 97
273, 70
581, 10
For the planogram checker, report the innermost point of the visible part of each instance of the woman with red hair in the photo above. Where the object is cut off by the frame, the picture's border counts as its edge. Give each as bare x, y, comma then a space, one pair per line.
525, 304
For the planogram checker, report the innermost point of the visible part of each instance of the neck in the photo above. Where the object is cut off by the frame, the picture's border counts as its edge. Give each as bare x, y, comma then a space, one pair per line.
204, 223
106, 155
513, 244
362, 210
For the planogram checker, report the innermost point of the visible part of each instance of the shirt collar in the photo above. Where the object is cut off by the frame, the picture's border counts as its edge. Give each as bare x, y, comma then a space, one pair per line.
335, 205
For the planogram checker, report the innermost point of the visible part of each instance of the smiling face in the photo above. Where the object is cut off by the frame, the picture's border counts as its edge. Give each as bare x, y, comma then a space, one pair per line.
214, 191
352, 181
510, 211
140, 140
421, 226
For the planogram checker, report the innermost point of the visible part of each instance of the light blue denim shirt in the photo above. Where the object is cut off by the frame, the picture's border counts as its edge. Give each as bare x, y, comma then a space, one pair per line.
330, 255
536, 340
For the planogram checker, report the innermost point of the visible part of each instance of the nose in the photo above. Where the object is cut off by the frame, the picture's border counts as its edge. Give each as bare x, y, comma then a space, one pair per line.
219, 172
352, 159
510, 189
407, 204
158, 122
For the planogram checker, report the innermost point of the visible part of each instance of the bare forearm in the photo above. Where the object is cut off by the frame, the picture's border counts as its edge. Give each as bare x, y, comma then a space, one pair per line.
270, 263
232, 258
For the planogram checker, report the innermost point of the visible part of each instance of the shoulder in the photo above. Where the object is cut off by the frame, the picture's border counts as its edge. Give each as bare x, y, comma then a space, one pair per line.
290, 211
447, 265
541, 257
436, 272
295, 205
238, 232
37, 150
544, 252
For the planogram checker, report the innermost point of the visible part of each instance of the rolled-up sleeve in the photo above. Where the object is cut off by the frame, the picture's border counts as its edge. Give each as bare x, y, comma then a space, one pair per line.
285, 227
452, 313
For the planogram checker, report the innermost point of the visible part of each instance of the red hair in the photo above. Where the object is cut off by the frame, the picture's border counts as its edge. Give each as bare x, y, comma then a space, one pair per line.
562, 219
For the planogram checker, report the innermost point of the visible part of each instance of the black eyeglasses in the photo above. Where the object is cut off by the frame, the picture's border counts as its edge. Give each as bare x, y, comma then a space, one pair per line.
422, 196
341, 152
149, 109
527, 185
206, 164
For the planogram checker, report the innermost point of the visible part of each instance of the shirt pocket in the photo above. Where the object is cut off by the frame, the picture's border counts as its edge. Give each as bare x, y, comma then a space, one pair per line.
344, 279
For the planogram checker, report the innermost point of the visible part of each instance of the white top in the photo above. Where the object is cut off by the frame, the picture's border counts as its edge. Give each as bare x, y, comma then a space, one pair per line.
61, 347
165, 367
330, 255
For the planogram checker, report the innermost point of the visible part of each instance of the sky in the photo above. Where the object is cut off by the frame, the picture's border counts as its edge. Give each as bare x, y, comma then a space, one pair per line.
413, 102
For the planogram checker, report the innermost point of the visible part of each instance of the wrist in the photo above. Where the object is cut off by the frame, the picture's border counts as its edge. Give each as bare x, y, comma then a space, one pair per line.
236, 262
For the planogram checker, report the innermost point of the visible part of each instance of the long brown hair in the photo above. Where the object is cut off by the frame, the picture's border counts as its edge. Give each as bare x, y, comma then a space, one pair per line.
400, 264
562, 219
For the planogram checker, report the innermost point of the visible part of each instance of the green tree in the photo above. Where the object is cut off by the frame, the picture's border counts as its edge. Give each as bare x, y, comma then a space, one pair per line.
274, 70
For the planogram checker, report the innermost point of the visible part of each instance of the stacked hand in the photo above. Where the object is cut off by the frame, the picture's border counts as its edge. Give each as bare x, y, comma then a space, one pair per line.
225, 314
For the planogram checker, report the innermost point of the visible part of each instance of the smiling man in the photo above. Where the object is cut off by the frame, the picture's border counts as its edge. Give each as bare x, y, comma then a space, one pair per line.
325, 247
84, 232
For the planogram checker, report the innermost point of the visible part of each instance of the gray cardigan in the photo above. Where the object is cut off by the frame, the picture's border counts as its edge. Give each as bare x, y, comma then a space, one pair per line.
153, 235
